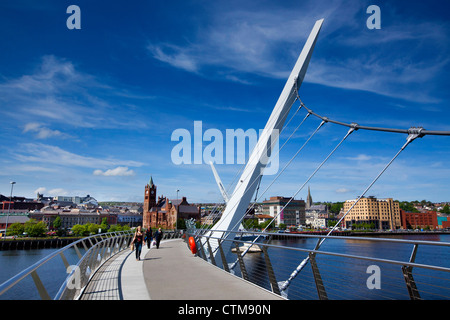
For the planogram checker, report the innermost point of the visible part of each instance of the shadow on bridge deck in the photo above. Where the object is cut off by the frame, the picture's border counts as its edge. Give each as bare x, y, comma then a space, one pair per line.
171, 272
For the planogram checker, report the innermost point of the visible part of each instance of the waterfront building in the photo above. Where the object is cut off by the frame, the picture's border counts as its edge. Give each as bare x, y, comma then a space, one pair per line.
292, 215
12, 219
131, 218
419, 220
19, 203
383, 214
164, 212
76, 199
72, 216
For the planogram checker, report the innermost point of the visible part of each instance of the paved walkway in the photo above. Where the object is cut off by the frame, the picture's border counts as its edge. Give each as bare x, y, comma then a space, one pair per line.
171, 272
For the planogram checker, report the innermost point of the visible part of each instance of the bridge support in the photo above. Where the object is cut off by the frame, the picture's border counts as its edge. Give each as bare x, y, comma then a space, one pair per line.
317, 278
239, 200
409, 279
271, 274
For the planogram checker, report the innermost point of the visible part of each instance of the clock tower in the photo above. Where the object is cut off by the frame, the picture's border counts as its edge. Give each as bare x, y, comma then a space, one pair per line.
150, 196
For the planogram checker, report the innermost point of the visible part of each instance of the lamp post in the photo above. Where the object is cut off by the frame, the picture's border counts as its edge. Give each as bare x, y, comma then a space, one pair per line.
178, 207
9, 207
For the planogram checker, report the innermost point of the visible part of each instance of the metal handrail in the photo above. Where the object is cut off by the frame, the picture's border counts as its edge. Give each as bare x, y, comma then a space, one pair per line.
99, 239
208, 254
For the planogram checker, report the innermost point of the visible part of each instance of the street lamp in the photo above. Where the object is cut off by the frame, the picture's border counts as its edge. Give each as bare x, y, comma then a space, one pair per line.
178, 207
9, 206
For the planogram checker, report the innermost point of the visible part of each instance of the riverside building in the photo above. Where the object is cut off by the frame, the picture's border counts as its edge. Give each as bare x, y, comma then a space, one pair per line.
382, 214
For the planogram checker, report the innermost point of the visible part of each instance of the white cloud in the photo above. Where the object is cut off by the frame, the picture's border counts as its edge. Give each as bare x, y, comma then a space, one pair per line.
343, 190
58, 192
48, 154
119, 171
266, 40
56, 91
43, 132
40, 190
360, 157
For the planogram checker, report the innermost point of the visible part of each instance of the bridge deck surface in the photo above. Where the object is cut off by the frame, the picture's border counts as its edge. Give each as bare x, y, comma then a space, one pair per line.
171, 272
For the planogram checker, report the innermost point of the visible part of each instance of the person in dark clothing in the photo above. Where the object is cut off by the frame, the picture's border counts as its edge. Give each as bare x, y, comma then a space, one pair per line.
138, 242
149, 236
158, 237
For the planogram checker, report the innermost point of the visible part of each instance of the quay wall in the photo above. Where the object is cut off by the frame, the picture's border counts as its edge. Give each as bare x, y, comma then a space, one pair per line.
288, 235
26, 244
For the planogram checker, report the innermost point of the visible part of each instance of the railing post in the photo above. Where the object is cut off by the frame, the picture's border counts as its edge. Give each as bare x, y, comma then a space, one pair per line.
241, 262
211, 255
317, 278
271, 274
40, 287
200, 249
409, 279
222, 256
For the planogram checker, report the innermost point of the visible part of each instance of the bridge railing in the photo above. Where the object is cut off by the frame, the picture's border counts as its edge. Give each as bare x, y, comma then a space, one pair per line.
342, 267
91, 253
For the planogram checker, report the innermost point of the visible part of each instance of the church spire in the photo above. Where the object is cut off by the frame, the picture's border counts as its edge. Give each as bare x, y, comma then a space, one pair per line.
150, 183
309, 201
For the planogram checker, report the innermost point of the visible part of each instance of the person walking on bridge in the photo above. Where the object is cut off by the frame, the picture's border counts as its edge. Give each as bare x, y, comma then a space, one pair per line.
138, 241
149, 237
158, 237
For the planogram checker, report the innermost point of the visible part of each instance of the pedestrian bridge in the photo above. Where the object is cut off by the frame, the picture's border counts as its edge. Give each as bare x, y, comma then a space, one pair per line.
261, 266
171, 272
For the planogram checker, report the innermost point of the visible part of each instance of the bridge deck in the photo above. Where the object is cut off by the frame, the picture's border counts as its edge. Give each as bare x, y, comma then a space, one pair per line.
171, 272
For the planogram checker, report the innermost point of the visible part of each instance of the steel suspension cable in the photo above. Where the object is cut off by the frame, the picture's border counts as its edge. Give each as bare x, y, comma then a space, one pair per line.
413, 134
310, 177
215, 213
274, 142
287, 164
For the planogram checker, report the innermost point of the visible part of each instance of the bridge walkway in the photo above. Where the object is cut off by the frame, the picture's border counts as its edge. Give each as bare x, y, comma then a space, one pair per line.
171, 272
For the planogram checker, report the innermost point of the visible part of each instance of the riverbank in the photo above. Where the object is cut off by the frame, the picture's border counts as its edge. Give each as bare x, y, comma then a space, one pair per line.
35, 243
368, 234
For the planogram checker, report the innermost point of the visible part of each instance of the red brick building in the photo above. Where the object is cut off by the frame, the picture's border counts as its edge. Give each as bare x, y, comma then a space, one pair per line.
164, 213
419, 220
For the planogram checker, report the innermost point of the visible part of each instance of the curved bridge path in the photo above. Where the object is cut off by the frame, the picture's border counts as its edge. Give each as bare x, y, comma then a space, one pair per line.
171, 272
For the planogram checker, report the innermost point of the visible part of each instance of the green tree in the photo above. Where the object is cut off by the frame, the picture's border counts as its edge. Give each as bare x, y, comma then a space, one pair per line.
336, 207
34, 228
16, 229
407, 206
57, 223
446, 209
79, 230
92, 228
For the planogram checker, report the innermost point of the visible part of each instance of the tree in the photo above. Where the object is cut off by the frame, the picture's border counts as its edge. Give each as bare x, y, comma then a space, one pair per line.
407, 206
336, 207
34, 228
446, 209
79, 229
57, 223
92, 228
16, 229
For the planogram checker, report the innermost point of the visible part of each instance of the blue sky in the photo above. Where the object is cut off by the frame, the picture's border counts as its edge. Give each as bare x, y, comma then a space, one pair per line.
92, 111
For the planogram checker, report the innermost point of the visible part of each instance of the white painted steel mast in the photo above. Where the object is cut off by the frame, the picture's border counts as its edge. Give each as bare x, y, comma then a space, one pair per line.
239, 200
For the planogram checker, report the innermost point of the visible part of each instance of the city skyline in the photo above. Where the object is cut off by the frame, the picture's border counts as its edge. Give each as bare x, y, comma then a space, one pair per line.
92, 110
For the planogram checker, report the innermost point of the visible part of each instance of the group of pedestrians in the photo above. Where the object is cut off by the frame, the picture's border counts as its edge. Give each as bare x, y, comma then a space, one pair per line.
141, 238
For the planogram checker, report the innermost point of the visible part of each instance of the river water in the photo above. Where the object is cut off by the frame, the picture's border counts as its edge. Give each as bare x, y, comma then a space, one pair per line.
346, 278
343, 278
52, 274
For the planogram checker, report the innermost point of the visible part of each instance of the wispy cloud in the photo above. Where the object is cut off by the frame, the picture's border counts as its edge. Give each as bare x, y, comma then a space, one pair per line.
238, 43
43, 132
48, 154
119, 171
57, 92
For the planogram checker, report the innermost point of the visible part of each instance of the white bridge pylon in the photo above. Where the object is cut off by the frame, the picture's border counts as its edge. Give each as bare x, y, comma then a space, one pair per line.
237, 204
